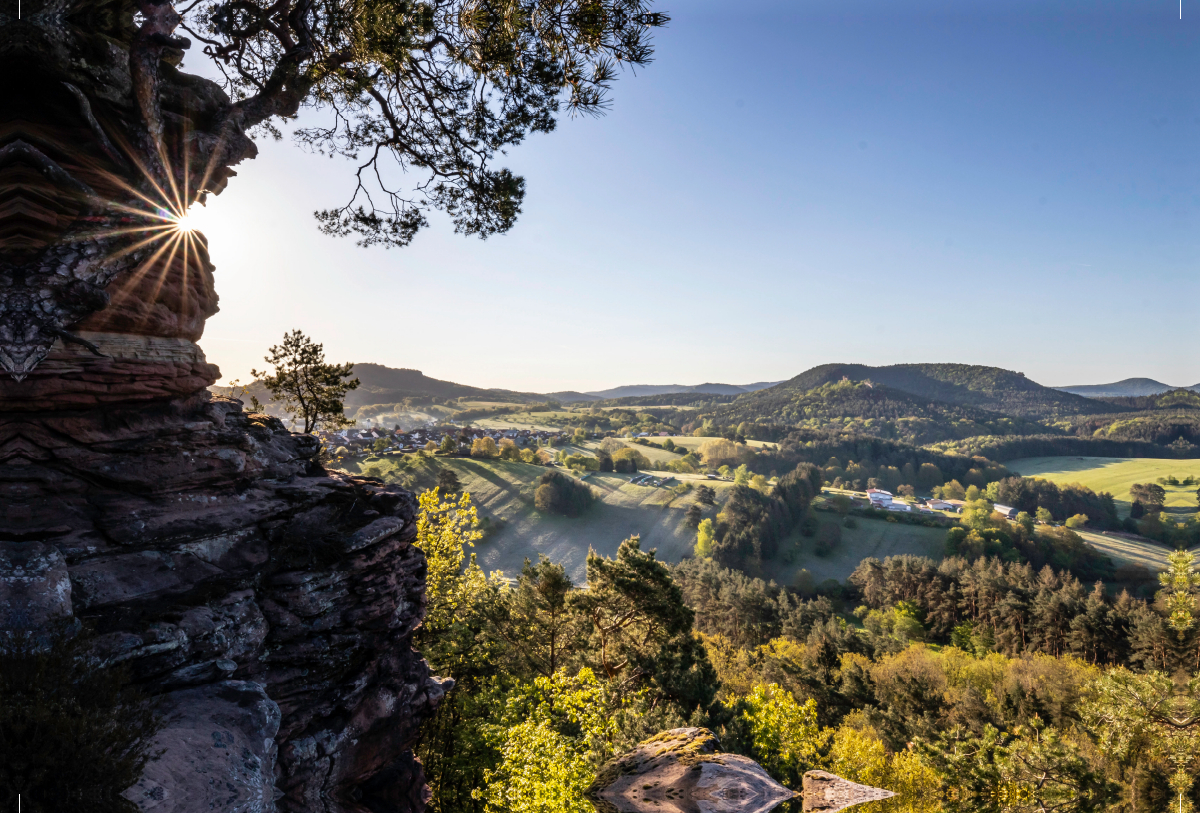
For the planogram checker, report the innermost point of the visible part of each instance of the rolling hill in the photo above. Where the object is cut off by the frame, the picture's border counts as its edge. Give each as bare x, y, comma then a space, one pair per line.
874, 410
1119, 389
389, 385
990, 388
380, 384
646, 390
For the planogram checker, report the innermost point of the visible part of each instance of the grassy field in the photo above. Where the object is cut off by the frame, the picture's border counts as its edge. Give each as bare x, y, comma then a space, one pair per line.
503, 493
1115, 475
1149, 555
872, 537
538, 421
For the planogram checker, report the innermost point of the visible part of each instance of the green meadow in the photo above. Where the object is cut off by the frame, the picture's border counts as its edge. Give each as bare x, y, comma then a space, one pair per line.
1115, 475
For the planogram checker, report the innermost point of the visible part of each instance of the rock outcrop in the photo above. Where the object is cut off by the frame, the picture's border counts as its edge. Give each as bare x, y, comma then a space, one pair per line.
235, 577
830, 793
267, 604
684, 771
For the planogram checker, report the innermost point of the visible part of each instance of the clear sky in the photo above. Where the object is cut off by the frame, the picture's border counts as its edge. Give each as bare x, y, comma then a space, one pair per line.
1009, 182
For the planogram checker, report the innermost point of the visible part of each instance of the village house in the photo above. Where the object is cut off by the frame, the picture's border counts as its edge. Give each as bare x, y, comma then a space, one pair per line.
879, 498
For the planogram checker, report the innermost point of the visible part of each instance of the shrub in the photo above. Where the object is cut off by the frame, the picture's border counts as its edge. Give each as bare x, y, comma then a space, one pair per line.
828, 538
559, 494
809, 526
581, 462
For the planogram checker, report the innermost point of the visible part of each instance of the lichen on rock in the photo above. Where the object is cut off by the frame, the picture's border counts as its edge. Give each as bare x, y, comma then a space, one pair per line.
684, 771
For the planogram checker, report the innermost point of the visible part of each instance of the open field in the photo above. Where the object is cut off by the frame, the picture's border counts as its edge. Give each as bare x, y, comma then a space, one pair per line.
872, 537
1115, 475
1149, 555
503, 493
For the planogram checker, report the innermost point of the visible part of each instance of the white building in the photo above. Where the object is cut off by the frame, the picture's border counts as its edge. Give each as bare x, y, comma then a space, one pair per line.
879, 498
1006, 511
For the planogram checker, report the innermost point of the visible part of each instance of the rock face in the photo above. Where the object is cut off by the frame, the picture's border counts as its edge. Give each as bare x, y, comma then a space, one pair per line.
683, 771
269, 605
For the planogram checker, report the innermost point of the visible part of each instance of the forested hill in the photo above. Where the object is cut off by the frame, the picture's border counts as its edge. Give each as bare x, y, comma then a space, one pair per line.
991, 388
384, 385
388, 385
875, 410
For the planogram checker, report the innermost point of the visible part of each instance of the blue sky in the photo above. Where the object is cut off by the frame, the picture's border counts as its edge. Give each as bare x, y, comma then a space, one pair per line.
1007, 182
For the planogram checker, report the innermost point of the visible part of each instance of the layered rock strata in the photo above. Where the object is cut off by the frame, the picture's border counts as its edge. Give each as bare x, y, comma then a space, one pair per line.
268, 605
208, 552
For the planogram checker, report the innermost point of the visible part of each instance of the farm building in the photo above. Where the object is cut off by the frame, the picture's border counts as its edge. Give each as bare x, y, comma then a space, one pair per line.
1006, 511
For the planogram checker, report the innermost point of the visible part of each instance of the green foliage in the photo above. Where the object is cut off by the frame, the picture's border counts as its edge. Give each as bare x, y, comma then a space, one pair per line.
441, 90
534, 621
752, 524
1039, 769
783, 734
309, 389
582, 462
704, 539
629, 460
640, 630
559, 494
485, 448
445, 529
1077, 521
551, 737
1182, 580
876, 411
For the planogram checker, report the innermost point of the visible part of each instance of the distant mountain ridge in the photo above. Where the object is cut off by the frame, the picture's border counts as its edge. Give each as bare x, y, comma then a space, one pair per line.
1129, 387
644, 390
386, 385
379, 384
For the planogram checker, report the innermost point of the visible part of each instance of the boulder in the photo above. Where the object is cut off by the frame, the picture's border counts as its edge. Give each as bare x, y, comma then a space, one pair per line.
829, 793
216, 752
684, 771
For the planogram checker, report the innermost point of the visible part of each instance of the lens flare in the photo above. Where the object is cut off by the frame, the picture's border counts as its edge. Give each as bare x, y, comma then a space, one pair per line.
184, 223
